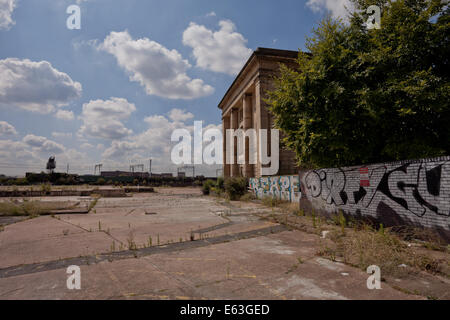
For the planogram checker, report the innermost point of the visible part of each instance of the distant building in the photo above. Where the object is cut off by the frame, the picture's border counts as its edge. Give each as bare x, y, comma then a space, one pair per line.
243, 107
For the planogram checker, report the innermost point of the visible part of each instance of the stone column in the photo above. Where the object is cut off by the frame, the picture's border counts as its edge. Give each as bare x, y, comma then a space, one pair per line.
234, 125
226, 165
265, 123
248, 121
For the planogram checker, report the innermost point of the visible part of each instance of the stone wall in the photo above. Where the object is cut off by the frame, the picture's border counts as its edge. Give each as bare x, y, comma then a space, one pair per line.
283, 188
415, 192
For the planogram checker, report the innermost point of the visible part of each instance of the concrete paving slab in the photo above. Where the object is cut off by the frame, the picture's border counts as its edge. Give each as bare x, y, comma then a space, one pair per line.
243, 256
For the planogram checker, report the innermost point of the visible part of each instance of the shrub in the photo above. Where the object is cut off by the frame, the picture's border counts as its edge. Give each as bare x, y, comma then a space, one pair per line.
235, 187
198, 183
207, 186
247, 197
46, 187
220, 184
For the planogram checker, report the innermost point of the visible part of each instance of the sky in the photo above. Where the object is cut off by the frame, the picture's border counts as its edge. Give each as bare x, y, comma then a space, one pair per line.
113, 91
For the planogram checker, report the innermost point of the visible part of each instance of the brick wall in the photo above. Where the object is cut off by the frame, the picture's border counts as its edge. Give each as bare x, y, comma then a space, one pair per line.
415, 192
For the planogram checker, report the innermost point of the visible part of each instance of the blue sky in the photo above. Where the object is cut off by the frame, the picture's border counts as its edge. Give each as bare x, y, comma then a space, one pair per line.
113, 91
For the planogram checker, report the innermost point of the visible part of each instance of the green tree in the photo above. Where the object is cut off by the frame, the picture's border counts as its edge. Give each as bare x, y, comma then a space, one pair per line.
362, 96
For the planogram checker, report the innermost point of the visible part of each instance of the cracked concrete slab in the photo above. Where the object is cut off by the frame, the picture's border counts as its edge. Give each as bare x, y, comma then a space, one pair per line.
239, 256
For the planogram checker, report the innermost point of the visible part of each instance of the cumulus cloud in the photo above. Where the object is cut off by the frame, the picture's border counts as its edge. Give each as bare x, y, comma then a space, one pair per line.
6, 9
15, 151
7, 129
64, 115
223, 51
154, 142
180, 115
162, 72
103, 118
43, 144
337, 8
35, 86
32, 152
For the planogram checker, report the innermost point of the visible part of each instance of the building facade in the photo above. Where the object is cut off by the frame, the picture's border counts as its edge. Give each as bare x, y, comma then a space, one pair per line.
243, 107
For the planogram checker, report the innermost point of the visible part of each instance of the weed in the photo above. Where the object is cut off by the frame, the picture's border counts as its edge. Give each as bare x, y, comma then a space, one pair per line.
342, 221
66, 232
93, 204
313, 218
149, 241
381, 229
130, 240
247, 197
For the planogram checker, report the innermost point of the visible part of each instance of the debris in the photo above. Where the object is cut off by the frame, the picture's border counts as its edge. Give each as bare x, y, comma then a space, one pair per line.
324, 234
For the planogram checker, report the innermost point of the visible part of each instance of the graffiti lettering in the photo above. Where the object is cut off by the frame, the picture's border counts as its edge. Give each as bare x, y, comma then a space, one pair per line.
283, 188
411, 190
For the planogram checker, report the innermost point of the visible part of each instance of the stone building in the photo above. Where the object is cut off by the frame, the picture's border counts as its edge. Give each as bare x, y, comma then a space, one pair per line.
243, 107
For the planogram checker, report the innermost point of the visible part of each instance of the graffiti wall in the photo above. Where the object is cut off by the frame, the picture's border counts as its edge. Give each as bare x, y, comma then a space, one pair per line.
408, 192
284, 188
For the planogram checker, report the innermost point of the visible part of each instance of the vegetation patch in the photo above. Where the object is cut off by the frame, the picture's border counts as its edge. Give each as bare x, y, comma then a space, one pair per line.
31, 208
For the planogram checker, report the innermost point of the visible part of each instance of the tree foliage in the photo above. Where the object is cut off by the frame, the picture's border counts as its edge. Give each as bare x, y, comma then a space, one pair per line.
364, 96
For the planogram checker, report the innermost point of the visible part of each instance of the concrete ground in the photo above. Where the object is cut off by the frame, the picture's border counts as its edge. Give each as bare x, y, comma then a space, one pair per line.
235, 254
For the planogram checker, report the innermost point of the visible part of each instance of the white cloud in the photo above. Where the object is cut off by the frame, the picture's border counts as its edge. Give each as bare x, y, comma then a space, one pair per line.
16, 151
7, 129
43, 144
211, 14
32, 153
155, 143
223, 51
161, 71
35, 86
64, 115
337, 8
103, 118
6, 9
86, 146
62, 135
180, 115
